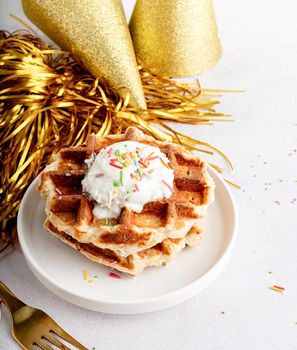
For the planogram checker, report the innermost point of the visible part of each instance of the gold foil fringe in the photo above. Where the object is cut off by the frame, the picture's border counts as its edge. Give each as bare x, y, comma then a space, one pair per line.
47, 101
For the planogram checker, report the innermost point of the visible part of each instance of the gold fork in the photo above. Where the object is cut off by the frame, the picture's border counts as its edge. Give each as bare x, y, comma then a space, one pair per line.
33, 328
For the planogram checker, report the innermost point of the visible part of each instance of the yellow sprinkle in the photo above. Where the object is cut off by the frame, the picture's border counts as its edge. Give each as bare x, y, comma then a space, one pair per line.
232, 183
86, 274
277, 289
91, 281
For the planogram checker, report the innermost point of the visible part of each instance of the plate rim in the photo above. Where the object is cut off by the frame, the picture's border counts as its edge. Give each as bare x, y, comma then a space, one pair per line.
183, 293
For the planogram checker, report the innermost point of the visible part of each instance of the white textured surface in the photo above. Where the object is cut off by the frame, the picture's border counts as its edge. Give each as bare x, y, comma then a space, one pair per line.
259, 54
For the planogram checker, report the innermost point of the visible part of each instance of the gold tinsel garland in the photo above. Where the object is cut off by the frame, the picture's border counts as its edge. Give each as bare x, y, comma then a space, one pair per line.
48, 101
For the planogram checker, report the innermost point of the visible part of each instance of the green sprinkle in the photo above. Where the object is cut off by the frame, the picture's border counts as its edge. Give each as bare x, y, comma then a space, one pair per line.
128, 192
121, 177
117, 153
93, 348
139, 173
116, 184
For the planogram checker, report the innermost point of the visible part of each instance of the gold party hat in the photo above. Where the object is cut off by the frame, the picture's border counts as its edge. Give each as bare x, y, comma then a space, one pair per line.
97, 35
175, 37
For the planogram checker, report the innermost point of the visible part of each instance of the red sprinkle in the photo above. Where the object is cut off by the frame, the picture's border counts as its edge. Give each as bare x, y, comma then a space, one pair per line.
114, 275
141, 162
136, 187
167, 185
152, 158
116, 166
278, 287
59, 192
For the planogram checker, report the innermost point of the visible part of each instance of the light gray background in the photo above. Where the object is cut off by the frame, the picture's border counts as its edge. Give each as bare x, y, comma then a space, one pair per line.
259, 55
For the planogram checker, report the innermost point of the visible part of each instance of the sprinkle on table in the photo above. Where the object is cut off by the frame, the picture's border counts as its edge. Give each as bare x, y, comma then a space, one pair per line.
86, 275
114, 275
277, 288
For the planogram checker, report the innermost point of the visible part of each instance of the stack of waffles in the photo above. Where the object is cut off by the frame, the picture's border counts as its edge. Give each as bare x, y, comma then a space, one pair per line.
132, 241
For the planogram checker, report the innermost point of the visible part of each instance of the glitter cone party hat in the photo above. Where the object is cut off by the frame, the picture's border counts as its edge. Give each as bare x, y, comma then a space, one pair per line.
97, 35
175, 38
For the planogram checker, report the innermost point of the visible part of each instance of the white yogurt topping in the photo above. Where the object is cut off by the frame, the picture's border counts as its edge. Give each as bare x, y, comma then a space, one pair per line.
127, 174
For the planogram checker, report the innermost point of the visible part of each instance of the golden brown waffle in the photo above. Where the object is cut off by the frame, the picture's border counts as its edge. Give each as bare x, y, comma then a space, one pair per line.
134, 264
70, 210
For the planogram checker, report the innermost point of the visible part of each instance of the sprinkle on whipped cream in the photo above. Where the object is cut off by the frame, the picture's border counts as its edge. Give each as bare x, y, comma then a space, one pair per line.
127, 174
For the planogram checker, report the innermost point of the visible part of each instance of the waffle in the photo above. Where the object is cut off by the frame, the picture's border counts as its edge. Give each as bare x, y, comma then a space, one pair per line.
134, 264
70, 211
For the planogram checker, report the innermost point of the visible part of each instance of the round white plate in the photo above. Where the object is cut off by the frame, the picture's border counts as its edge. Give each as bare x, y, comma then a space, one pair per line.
60, 268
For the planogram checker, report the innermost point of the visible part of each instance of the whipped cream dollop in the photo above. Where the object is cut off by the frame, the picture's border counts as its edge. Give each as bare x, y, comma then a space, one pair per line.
127, 174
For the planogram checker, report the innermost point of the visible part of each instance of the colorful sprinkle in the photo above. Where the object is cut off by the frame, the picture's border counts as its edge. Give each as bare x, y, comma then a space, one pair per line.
106, 222
114, 275
277, 289
167, 185
115, 165
141, 163
149, 156
162, 161
86, 275
121, 177
153, 158
58, 191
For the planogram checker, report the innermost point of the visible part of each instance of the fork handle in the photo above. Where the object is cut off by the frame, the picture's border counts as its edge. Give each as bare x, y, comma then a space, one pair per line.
9, 299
